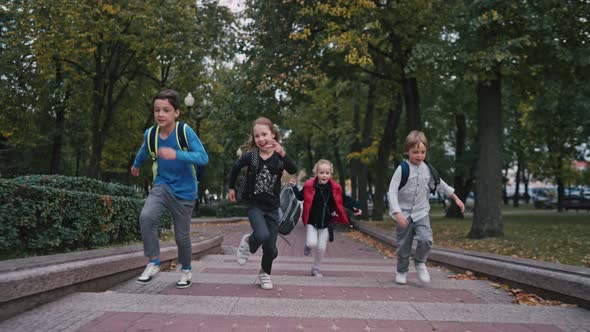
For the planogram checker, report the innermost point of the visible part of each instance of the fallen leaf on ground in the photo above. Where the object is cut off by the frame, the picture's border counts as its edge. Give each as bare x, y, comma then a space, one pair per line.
382, 248
468, 275
522, 297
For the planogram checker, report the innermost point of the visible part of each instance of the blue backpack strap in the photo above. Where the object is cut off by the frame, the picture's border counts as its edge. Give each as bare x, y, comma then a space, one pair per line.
405, 174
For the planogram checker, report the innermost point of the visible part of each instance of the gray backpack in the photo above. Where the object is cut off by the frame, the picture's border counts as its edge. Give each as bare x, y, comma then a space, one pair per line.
290, 210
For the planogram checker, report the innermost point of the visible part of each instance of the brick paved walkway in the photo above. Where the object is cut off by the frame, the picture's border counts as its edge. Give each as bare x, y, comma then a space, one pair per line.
357, 293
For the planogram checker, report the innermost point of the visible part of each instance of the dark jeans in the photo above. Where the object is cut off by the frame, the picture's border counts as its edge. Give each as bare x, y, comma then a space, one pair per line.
265, 231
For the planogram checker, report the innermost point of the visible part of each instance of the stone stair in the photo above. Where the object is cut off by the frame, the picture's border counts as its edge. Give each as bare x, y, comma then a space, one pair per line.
355, 294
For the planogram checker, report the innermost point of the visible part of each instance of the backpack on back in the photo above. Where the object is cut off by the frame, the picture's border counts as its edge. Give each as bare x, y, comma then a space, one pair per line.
406, 173
182, 142
290, 210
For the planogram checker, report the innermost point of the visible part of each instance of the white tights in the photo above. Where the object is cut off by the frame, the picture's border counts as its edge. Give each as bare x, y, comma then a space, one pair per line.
318, 239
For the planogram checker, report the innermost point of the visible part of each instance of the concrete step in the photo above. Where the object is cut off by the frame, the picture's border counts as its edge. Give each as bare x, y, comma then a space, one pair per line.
95, 311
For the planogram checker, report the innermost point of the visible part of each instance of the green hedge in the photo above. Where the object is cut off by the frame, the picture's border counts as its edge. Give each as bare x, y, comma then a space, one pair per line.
223, 209
42, 219
83, 184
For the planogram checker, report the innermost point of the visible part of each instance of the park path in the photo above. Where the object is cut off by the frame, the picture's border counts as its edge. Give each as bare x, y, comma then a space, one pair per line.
356, 293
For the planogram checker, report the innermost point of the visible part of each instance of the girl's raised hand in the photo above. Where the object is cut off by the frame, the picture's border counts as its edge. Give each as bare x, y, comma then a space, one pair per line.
278, 148
292, 182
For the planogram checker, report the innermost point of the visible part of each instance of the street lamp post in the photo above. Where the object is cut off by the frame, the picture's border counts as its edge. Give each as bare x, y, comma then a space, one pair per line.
189, 101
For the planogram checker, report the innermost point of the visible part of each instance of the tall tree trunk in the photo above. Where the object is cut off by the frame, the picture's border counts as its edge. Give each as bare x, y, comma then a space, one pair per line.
504, 186
96, 152
463, 182
382, 178
560, 194
516, 200
526, 179
355, 163
412, 102
60, 120
309, 152
366, 140
487, 217
339, 167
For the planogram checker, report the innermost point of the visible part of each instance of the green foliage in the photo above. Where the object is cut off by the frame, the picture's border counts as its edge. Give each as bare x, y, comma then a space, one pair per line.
227, 209
41, 219
82, 184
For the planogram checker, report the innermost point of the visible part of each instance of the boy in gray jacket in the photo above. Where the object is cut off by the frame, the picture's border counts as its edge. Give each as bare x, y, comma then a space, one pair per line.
409, 207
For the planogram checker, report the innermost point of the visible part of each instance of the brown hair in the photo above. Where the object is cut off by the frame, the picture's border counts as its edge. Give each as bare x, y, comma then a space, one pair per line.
414, 138
323, 162
172, 96
251, 144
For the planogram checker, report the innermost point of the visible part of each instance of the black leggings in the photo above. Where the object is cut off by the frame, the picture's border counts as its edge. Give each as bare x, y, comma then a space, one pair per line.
265, 231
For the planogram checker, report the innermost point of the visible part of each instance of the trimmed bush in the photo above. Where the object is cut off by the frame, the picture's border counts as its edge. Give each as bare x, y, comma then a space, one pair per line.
83, 184
42, 219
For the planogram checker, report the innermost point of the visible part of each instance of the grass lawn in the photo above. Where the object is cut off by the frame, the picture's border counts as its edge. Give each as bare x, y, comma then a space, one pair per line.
536, 234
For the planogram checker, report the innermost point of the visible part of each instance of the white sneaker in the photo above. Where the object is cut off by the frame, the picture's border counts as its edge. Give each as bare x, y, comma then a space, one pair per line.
243, 250
185, 279
148, 274
264, 279
423, 274
401, 278
316, 273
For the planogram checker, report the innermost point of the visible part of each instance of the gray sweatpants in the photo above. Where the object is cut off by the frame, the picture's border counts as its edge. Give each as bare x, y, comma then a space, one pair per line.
420, 229
160, 199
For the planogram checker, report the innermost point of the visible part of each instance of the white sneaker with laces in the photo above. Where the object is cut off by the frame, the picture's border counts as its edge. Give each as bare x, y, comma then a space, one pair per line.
401, 278
264, 279
151, 270
243, 250
423, 274
185, 279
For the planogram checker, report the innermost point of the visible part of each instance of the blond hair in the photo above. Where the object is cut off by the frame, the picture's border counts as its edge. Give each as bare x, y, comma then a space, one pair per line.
414, 138
323, 162
251, 144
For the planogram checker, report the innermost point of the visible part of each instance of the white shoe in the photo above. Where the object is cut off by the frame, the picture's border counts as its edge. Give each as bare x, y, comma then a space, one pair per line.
264, 279
423, 274
243, 250
151, 270
401, 278
185, 279
316, 273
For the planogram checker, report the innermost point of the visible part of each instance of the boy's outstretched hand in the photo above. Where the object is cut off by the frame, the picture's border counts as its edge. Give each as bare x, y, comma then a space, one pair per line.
460, 205
458, 202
